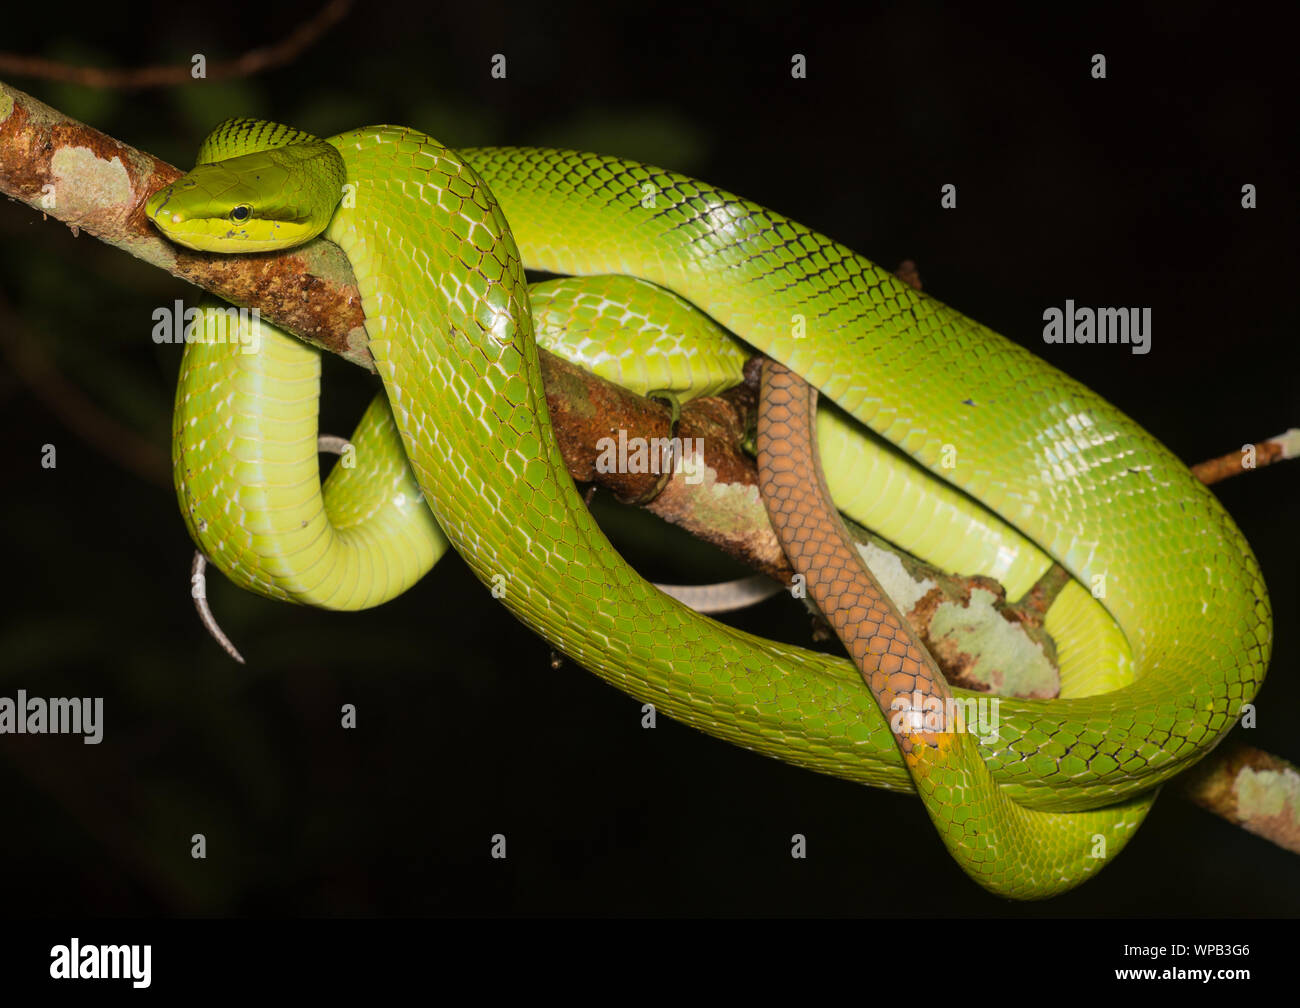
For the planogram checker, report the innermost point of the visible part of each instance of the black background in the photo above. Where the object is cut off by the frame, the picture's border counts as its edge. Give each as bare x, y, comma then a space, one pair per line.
1124, 191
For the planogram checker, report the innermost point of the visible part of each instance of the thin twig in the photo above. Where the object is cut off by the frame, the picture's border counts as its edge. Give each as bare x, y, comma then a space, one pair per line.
1252, 456
252, 62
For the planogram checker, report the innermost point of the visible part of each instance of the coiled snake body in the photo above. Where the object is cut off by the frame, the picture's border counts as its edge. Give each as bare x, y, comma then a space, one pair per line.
439, 250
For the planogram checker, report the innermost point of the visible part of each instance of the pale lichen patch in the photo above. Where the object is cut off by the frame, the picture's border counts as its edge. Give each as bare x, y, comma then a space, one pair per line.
86, 184
992, 652
1267, 793
905, 590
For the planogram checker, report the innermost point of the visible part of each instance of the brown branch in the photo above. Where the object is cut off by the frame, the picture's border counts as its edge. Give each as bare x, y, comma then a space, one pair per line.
252, 62
101, 184
720, 505
1275, 449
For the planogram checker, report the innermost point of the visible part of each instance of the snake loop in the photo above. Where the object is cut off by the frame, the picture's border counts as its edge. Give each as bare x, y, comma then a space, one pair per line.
1040, 460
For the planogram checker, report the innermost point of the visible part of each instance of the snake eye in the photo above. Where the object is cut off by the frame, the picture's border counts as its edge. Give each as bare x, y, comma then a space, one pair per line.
241, 213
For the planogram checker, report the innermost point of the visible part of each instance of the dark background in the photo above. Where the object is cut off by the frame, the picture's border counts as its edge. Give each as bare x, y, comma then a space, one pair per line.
1124, 192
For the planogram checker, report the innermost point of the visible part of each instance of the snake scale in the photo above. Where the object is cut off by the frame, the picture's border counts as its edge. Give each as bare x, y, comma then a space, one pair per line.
439, 241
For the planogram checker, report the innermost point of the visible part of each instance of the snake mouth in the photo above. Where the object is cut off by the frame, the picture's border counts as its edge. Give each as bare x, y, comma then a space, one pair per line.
154, 205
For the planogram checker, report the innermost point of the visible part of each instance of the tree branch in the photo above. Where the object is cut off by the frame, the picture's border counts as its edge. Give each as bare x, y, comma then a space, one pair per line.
252, 62
95, 183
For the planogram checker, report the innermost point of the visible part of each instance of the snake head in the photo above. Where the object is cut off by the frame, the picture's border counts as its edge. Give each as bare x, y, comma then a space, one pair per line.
259, 202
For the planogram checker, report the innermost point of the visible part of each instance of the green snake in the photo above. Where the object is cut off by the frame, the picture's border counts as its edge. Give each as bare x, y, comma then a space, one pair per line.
1001, 463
